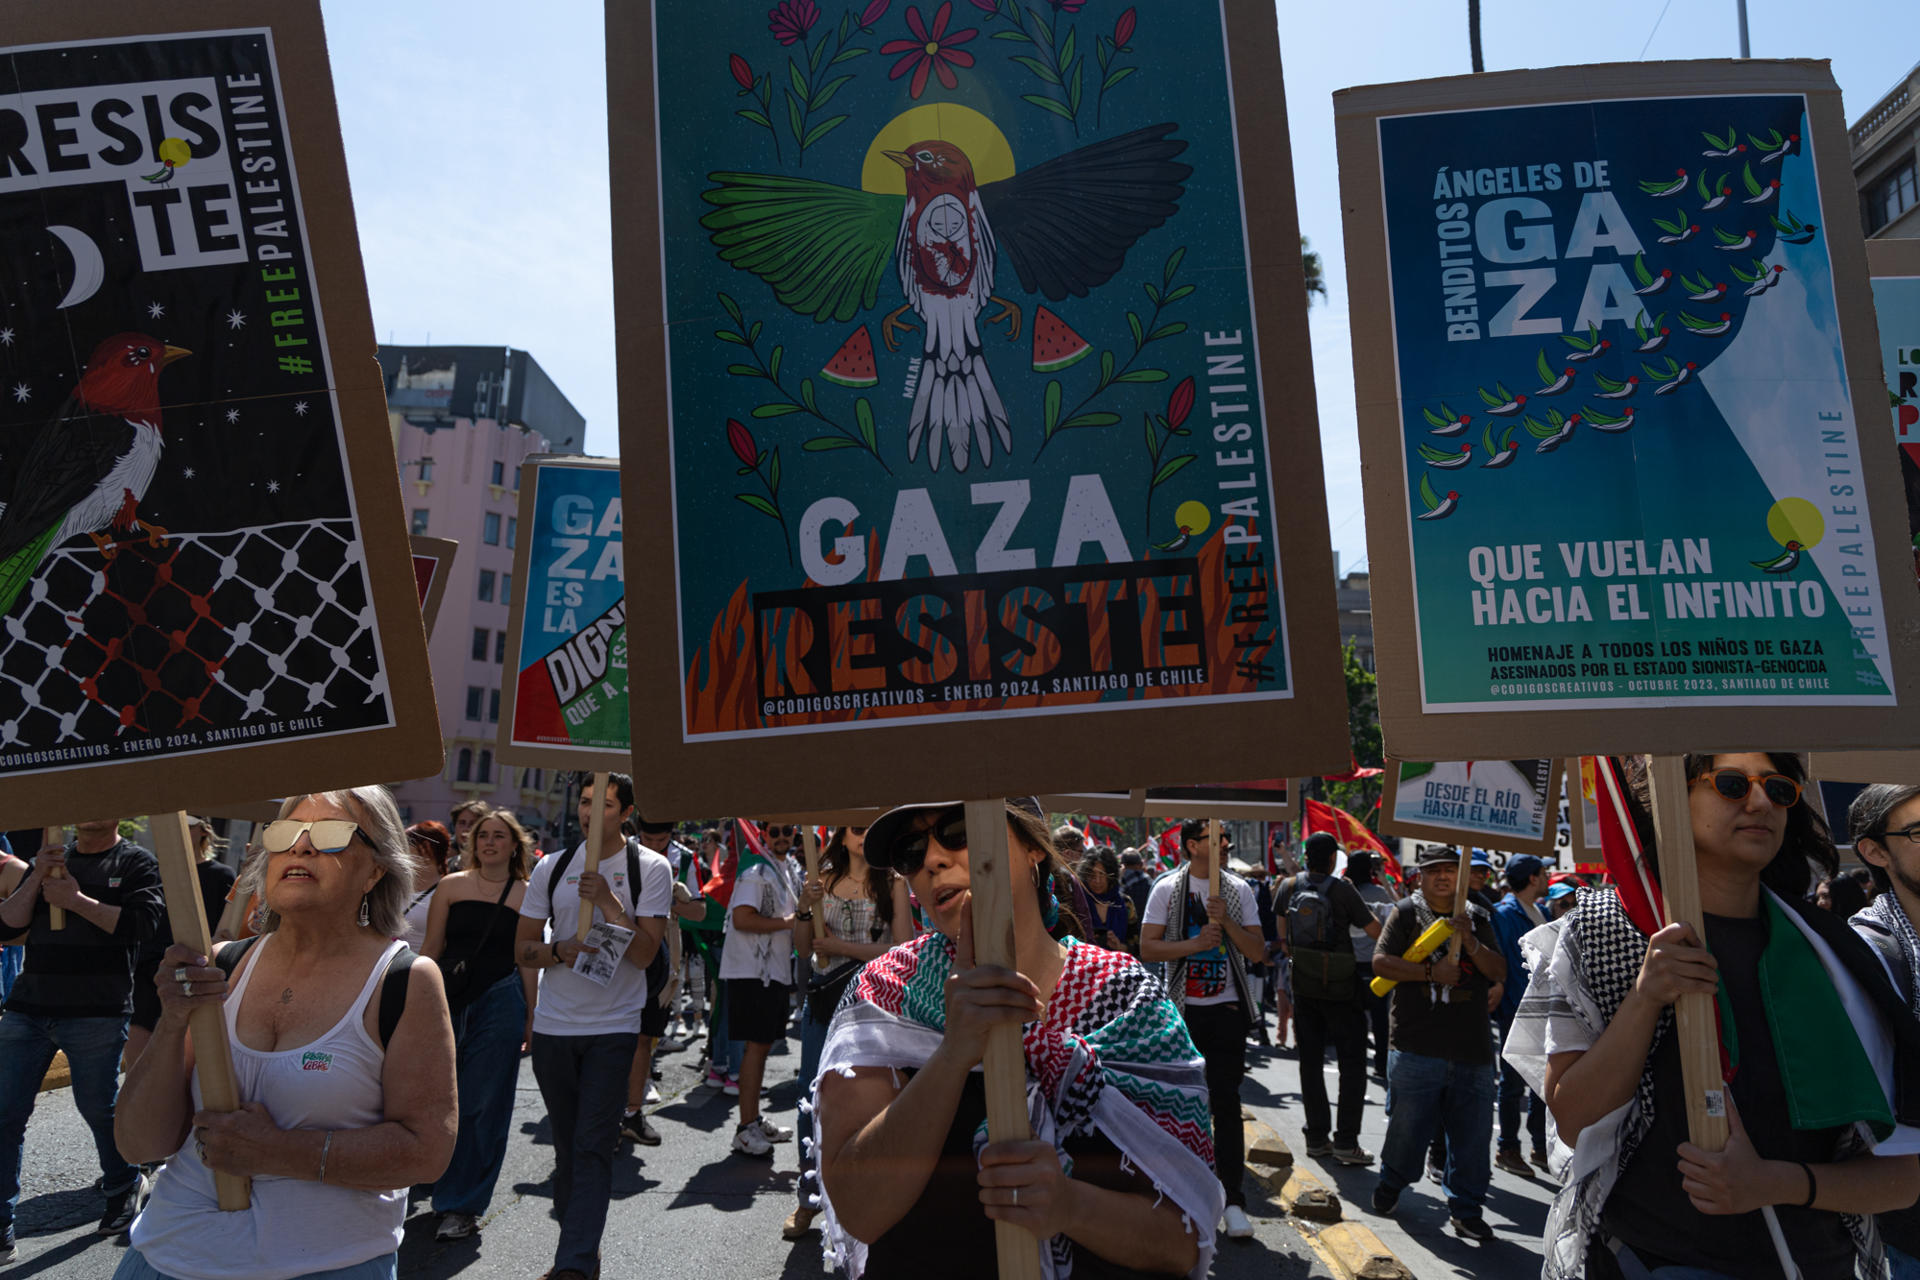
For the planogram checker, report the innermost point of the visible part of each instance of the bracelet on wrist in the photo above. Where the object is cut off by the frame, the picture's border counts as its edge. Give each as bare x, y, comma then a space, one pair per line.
803, 915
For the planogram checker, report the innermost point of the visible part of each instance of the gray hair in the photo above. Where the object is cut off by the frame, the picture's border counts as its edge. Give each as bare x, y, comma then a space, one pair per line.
379, 821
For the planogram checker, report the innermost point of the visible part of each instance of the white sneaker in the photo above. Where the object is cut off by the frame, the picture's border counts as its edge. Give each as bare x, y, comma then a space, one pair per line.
773, 1132
1238, 1225
749, 1141
651, 1096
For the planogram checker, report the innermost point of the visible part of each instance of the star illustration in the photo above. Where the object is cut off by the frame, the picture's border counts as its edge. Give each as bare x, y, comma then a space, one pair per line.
155, 310
273, 486
233, 416
20, 393
299, 408
235, 319
6, 337
187, 473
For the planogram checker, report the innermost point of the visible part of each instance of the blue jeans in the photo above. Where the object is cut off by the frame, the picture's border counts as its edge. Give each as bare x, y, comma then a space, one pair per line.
583, 1080
1425, 1095
134, 1266
27, 1046
1905, 1265
12, 960
487, 1034
813, 1037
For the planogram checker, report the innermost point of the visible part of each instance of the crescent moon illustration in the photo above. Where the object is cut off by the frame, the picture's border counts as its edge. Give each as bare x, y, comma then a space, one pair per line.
88, 269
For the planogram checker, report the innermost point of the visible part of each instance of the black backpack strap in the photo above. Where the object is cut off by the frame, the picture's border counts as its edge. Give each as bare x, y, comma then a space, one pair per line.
227, 958
554, 882
393, 992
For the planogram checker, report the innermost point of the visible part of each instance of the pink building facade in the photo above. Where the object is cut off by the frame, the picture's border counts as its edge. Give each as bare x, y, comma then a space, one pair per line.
464, 419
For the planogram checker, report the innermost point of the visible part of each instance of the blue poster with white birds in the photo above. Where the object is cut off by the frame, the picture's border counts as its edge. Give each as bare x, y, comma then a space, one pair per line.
184, 566
1627, 430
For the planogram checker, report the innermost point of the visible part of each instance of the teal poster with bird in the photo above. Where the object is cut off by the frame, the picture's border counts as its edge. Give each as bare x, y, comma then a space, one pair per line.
188, 570
1618, 406
970, 391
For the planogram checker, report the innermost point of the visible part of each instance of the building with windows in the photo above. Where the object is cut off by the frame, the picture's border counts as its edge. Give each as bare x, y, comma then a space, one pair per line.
1886, 161
1354, 601
463, 420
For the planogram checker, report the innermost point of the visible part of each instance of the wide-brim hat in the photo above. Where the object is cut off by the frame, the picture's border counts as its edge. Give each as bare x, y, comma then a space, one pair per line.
889, 827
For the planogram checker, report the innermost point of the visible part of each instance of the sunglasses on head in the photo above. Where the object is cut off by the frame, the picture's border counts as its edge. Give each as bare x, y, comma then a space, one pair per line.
949, 827
329, 835
1781, 791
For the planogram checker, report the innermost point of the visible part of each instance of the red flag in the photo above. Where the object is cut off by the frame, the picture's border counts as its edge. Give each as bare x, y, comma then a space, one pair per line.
1350, 832
1106, 824
1620, 846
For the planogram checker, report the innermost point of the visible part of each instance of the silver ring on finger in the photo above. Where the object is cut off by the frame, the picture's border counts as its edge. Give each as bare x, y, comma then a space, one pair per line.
186, 989
180, 974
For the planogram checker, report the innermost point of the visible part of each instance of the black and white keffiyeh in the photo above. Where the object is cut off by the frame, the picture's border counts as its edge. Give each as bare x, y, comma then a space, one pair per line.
1886, 912
1236, 893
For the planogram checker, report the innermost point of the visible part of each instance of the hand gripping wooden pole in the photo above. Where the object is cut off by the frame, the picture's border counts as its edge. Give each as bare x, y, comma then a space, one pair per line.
56, 916
995, 881
1680, 885
213, 1056
596, 827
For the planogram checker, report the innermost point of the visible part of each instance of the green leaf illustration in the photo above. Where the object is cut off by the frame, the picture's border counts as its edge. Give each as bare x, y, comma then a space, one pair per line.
1099, 419
1168, 468
821, 444
759, 504
1058, 108
863, 415
1143, 375
1038, 68
775, 410
773, 473
1052, 407
822, 129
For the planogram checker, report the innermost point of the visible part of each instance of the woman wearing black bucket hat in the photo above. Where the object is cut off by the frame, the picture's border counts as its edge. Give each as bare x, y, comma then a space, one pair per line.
1114, 1084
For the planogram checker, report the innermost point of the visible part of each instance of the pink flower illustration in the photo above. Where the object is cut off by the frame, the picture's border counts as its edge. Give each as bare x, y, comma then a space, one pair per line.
933, 51
1123, 29
874, 12
741, 441
1180, 404
790, 20
742, 73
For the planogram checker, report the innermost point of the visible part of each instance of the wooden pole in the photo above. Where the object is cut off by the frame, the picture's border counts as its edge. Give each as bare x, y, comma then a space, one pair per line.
810, 849
213, 1056
1213, 860
56, 916
995, 880
596, 827
1680, 883
1460, 900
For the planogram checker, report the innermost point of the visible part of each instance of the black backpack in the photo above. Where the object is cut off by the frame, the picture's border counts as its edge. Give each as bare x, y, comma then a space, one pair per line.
661, 967
1323, 961
393, 987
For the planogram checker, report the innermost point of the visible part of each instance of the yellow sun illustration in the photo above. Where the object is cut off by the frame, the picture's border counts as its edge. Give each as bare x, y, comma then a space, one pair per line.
1796, 520
174, 151
964, 127
1194, 517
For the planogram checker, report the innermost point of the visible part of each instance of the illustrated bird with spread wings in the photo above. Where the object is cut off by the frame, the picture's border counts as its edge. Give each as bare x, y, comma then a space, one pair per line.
1065, 224
90, 467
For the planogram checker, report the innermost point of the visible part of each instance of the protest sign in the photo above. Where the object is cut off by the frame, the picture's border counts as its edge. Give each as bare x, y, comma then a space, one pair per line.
1270, 799
951, 402
203, 565
1615, 362
1510, 805
1116, 804
565, 704
432, 565
1895, 267
1866, 766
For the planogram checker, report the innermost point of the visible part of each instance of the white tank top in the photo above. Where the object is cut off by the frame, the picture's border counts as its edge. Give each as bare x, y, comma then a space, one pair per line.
294, 1227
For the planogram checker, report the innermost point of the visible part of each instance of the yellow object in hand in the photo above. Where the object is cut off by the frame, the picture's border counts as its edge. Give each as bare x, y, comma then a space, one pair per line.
1431, 939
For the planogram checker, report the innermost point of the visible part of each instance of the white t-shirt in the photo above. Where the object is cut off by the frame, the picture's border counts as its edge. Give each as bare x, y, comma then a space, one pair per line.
1209, 977
770, 888
573, 1005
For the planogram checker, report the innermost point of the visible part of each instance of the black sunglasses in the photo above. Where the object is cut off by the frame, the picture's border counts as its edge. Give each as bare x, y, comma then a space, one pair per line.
949, 828
1781, 791
772, 832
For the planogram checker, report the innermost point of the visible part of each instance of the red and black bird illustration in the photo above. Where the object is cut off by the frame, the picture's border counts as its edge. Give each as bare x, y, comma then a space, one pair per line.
1065, 224
90, 467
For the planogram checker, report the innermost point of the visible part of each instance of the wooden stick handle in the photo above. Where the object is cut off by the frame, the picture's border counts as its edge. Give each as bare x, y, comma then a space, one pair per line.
56, 916
596, 828
1460, 881
213, 1056
810, 849
1680, 885
1213, 860
995, 880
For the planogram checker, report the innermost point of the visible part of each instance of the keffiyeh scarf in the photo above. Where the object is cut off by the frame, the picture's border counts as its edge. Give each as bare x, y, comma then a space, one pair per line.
1110, 1055
1885, 911
1231, 890
1583, 966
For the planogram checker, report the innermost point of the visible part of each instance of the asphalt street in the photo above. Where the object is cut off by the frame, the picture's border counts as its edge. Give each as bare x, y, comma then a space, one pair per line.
690, 1208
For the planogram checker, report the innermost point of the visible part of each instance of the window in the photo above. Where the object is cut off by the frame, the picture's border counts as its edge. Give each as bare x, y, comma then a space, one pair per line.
426, 469
490, 529
499, 646
463, 765
516, 479
493, 706
506, 587
419, 522
1890, 197
476, 698
498, 475
486, 585
513, 530
485, 771
479, 644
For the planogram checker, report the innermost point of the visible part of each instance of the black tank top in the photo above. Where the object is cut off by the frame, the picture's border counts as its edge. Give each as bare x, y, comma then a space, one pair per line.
467, 927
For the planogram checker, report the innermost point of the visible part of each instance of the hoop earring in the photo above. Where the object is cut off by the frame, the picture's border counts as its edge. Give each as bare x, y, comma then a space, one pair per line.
365, 917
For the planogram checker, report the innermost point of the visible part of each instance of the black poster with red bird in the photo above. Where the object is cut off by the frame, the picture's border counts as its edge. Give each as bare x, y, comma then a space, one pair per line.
181, 564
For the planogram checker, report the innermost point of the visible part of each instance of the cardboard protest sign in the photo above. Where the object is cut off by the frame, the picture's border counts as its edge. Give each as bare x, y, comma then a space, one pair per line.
956, 370
1116, 804
1895, 265
1510, 805
565, 704
204, 575
1270, 799
432, 565
1615, 361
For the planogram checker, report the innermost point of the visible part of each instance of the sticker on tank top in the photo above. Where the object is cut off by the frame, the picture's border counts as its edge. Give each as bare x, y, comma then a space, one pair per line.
314, 1060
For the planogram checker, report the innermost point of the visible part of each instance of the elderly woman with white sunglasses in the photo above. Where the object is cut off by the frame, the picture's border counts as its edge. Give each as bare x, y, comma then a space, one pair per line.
341, 1109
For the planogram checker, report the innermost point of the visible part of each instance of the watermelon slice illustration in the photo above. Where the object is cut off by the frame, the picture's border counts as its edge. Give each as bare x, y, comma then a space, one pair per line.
853, 365
1055, 345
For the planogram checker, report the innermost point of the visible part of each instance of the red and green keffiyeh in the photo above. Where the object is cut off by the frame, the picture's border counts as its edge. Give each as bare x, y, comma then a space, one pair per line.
1110, 1055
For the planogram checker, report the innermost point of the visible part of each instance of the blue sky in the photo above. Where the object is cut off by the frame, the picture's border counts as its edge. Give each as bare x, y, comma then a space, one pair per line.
477, 143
